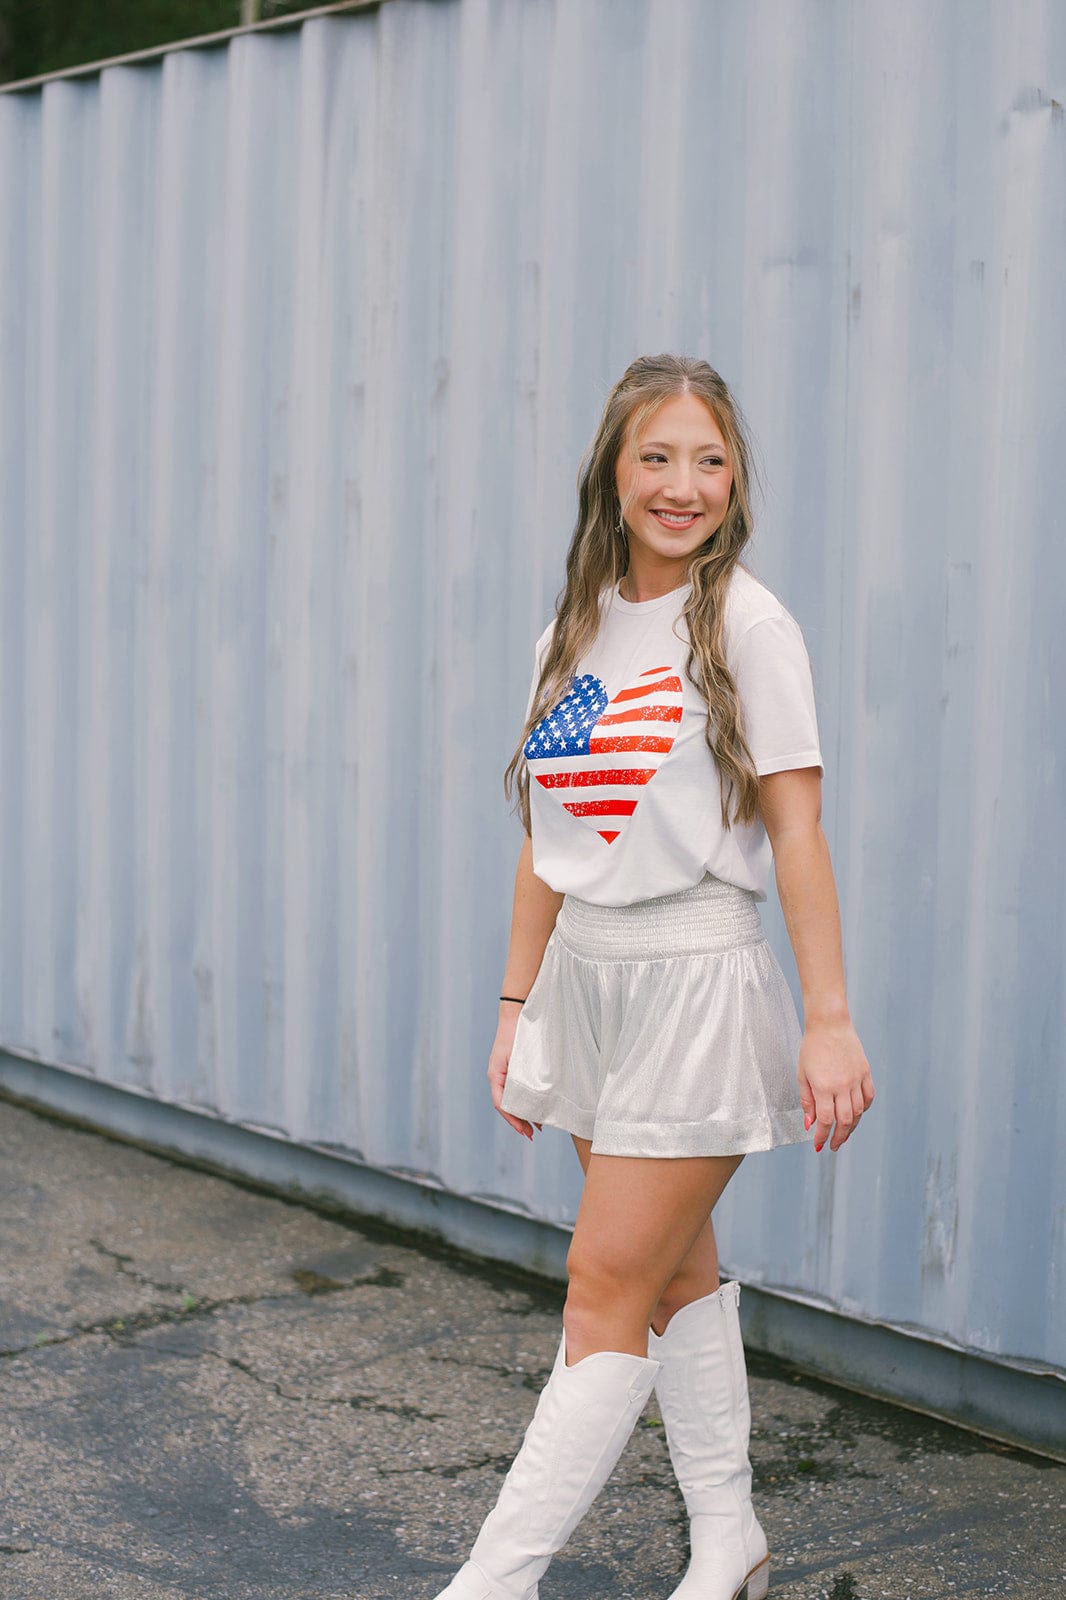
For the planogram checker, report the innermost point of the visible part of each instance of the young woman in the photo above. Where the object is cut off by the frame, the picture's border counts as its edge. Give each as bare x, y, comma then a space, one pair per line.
670, 747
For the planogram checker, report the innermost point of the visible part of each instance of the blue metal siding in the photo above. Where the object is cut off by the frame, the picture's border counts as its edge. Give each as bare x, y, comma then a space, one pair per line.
301, 340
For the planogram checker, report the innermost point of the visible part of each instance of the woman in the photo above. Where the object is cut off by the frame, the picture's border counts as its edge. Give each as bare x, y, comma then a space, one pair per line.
672, 744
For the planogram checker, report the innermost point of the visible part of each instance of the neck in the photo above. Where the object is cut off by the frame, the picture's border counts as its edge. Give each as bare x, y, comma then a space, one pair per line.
637, 587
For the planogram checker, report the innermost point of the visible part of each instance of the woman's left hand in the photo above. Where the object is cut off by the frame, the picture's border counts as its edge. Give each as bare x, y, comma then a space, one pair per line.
835, 1081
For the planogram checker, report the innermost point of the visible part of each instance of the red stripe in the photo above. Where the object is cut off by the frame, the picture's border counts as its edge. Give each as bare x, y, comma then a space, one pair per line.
632, 741
656, 713
600, 808
583, 780
665, 686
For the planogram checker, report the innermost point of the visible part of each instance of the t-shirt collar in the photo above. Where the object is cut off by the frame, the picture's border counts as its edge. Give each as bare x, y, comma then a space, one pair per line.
643, 607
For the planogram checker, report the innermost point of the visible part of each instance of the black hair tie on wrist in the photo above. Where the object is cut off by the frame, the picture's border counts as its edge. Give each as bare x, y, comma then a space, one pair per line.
514, 998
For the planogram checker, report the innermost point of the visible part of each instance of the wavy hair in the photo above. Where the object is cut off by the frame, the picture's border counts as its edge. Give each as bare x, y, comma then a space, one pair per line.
599, 556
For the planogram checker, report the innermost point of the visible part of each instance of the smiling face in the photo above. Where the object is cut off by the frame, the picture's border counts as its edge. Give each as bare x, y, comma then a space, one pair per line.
674, 488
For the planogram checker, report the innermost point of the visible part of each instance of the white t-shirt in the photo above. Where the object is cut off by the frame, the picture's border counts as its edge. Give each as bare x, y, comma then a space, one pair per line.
623, 791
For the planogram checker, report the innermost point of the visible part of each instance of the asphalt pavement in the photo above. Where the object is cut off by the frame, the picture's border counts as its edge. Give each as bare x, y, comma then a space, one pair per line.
215, 1393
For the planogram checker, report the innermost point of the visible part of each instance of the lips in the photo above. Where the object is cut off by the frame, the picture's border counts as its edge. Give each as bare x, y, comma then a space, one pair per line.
671, 519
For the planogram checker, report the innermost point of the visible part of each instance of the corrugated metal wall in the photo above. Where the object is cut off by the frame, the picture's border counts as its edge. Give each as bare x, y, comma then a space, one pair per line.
300, 342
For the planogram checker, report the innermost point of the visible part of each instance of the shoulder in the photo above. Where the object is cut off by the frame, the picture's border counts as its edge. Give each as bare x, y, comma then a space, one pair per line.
605, 616
540, 649
748, 601
757, 624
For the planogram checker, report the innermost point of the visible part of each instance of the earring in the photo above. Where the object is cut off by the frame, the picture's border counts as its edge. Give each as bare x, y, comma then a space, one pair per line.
621, 521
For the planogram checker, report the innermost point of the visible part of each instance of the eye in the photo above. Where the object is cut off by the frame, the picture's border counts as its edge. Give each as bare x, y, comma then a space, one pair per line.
653, 455
715, 461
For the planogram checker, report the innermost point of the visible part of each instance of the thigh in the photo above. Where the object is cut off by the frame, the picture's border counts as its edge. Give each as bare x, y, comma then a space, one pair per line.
641, 1216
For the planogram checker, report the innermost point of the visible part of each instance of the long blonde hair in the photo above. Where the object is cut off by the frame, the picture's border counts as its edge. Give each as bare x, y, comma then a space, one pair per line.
599, 555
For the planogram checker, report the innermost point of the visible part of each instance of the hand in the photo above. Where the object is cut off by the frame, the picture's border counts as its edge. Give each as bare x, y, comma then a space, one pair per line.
499, 1057
835, 1081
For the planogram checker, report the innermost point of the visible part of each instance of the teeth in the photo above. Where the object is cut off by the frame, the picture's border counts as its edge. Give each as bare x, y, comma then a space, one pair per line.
676, 516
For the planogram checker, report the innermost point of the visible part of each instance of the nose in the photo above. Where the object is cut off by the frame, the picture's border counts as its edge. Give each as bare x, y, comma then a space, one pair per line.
679, 487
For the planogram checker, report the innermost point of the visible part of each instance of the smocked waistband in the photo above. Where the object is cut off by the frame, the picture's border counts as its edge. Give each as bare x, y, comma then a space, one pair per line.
710, 917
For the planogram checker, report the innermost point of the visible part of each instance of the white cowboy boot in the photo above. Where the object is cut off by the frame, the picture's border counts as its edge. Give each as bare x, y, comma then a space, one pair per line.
703, 1396
583, 1418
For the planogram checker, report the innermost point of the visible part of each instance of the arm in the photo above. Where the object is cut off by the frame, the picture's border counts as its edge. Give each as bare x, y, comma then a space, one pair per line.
834, 1074
532, 920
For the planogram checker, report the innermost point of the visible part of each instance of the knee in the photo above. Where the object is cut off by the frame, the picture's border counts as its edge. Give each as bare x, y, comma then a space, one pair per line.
598, 1281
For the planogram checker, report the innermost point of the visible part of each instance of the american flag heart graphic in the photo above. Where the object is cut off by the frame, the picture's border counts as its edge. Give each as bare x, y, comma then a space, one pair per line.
596, 755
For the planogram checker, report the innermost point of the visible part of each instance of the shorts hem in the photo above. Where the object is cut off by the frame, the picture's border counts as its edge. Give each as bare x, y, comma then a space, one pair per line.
712, 1138
707, 1138
554, 1108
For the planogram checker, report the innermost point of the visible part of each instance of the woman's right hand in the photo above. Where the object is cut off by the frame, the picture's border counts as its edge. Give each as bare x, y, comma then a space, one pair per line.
499, 1057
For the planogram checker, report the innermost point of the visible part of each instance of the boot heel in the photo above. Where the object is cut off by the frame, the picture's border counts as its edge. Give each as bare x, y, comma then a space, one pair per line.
756, 1583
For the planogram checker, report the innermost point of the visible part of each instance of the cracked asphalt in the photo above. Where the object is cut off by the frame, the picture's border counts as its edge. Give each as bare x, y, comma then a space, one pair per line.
214, 1393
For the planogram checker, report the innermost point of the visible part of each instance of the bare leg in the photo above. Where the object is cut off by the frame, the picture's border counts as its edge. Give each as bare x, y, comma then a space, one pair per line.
639, 1220
703, 1399
695, 1276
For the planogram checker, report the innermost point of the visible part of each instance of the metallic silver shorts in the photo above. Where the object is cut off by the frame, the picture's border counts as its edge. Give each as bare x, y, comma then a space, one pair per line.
661, 1028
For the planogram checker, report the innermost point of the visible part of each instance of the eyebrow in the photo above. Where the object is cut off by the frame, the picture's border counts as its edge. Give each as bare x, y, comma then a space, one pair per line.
657, 444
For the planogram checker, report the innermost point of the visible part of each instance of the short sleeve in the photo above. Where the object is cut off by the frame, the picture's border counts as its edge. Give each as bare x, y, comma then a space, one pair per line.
538, 661
532, 688
772, 672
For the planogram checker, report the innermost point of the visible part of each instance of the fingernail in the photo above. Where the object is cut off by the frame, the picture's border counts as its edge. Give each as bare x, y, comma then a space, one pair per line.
819, 1146
807, 1120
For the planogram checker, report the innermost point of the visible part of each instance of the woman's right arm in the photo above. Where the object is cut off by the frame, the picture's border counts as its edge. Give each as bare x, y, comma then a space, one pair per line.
532, 920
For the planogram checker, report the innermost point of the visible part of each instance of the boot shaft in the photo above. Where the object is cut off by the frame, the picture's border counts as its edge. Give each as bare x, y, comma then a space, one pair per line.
583, 1417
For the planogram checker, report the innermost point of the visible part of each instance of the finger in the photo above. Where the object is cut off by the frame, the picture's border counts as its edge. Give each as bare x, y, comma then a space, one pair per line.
823, 1126
858, 1105
844, 1119
519, 1124
806, 1101
868, 1090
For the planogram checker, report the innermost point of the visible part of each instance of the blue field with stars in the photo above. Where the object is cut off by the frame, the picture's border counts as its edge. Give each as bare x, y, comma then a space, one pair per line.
566, 731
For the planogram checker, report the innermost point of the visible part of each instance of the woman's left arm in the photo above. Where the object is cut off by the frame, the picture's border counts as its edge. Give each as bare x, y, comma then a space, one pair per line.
834, 1074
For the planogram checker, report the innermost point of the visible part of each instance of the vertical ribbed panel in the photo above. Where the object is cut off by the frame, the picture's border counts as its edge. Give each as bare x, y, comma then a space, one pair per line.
301, 340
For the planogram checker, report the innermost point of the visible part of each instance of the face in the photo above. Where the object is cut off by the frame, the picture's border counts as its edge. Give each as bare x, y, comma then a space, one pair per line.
677, 490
